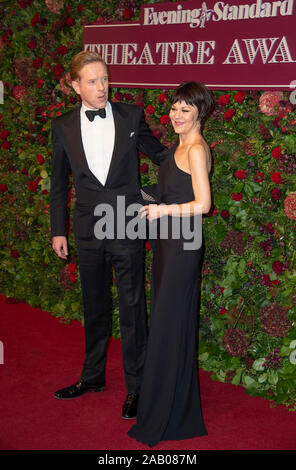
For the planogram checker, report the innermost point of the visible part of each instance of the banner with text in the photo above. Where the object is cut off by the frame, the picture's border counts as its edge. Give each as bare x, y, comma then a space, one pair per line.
240, 45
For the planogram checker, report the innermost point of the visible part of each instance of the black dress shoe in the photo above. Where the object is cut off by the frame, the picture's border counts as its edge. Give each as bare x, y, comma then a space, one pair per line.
78, 389
129, 409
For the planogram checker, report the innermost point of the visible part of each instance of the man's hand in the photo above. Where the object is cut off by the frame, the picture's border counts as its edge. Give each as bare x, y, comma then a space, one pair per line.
60, 246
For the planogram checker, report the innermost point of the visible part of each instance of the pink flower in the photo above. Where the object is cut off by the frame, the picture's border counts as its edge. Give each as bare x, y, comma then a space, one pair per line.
269, 102
290, 206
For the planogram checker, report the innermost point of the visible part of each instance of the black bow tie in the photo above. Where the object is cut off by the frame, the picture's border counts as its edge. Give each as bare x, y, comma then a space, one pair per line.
99, 112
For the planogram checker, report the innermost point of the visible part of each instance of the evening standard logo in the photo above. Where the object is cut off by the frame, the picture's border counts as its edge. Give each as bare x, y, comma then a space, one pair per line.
198, 17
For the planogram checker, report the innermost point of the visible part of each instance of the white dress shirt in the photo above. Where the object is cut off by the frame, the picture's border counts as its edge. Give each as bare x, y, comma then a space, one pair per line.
98, 141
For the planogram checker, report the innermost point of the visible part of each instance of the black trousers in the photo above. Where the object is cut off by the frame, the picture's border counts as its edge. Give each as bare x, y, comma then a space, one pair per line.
95, 269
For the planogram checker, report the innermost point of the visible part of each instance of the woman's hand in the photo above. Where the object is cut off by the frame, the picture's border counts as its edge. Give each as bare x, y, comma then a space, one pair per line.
153, 211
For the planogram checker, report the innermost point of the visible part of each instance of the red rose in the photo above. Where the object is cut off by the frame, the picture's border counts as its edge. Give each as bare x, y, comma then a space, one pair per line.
224, 100
266, 279
40, 159
37, 62
144, 168
147, 245
72, 267
223, 310
128, 13
225, 214
80, 8
162, 98
5, 145
62, 50
32, 44
19, 92
236, 197
239, 97
70, 21
73, 278
241, 174
277, 152
58, 70
3, 188
14, 254
228, 115
276, 194
4, 134
278, 267
33, 186
259, 177
276, 177
164, 119
35, 20
150, 109
40, 83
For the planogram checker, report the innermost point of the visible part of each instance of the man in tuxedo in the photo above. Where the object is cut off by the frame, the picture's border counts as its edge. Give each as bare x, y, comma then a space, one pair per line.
98, 142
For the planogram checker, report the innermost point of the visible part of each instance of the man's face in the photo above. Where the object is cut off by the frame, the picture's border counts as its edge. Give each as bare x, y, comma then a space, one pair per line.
93, 85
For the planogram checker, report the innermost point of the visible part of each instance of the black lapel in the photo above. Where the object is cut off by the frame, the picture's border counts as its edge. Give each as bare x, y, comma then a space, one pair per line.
122, 135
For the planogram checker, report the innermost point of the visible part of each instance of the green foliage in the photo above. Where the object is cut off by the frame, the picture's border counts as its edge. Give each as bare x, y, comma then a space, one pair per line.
248, 298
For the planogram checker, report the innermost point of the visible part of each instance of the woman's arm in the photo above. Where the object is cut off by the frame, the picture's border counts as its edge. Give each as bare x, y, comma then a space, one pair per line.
198, 165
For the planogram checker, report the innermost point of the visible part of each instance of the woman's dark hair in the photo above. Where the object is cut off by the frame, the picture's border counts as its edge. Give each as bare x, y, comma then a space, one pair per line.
195, 94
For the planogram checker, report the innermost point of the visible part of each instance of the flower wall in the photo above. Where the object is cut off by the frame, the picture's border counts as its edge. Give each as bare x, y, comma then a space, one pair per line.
248, 291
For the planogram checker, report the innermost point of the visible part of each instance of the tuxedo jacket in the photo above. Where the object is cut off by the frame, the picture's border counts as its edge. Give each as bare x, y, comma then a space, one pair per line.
131, 134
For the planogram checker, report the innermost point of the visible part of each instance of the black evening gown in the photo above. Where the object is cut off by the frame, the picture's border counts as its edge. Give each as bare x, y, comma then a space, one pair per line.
169, 403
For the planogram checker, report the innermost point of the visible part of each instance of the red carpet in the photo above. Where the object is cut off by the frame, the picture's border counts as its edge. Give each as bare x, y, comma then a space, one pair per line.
42, 354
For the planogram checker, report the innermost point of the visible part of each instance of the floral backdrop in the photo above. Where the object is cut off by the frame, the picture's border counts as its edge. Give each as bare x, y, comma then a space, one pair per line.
247, 332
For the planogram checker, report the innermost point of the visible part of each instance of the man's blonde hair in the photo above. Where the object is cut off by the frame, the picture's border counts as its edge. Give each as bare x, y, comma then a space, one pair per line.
81, 59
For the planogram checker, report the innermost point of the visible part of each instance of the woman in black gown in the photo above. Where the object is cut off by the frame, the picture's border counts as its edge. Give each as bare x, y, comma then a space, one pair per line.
169, 404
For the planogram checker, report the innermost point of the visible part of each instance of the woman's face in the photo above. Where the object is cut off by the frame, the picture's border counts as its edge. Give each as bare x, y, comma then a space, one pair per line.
184, 117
